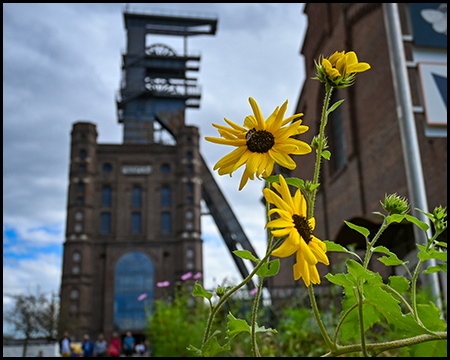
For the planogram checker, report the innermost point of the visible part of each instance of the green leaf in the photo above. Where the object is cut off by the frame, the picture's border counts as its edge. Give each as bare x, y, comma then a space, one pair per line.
334, 106
425, 254
236, 326
395, 218
197, 352
246, 255
269, 269
392, 260
332, 246
416, 221
291, 181
399, 284
358, 272
433, 269
200, 292
362, 230
326, 154
212, 347
341, 279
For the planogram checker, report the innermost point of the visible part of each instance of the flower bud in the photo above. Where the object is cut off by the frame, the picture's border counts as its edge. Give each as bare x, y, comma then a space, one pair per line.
394, 204
439, 218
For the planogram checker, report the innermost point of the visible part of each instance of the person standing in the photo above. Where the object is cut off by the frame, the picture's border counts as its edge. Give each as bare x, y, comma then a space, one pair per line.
128, 344
101, 346
114, 345
87, 346
64, 345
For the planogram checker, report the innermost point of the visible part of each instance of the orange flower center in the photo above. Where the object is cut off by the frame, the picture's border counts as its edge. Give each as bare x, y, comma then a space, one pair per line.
260, 141
303, 227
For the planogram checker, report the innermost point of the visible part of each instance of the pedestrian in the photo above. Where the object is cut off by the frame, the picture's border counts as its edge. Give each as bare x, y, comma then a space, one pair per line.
114, 345
140, 349
64, 345
128, 344
87, 346
101, 346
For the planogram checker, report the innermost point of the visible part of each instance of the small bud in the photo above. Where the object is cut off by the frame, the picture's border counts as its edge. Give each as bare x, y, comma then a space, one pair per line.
315, 143
440, 216
394, 204
220, 291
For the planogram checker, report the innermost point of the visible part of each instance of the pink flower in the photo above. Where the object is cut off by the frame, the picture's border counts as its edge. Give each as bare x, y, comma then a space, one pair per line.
142, 297
186, 276
198, 275
163, 284
253, 291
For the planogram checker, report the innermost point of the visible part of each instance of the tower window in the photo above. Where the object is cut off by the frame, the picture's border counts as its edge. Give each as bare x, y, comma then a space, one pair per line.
107, 168
136, 196
83, 154
189, 155
76, 256
136, 223
165, 223
79, 216
165, 196
106, 196
105, 223
78, 228
165, 168
74, 294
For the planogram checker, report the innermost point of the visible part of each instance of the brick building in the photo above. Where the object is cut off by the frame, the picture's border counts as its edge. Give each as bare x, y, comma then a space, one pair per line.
367, 160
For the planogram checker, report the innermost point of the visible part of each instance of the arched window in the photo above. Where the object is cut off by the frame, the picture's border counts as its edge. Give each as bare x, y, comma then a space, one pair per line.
106, 196
136, 197
134, 276
165, 196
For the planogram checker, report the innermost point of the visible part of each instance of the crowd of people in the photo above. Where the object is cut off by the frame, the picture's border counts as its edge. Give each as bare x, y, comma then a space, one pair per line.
102, 348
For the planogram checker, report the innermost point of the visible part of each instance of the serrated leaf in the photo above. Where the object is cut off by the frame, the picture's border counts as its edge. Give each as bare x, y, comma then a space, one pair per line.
425, 254
236, 326
395, 218
362, 230
332, 246
197, 352
433, 269
399, 284
291, 181
440, 243
212, 347
417, 222
358, 272
334, 106
392, 260
246, 255
341, 279
200, 292
269, 269
326, 154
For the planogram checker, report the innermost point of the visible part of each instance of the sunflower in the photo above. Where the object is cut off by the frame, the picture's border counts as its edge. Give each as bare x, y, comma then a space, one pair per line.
260, 143
294, 224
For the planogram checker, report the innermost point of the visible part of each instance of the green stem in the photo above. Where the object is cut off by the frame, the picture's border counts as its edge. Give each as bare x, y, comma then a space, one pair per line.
414, 290
255, 350
370, 244
318, 319
323, 122
225, 297
378, 348
338, 327
361, 319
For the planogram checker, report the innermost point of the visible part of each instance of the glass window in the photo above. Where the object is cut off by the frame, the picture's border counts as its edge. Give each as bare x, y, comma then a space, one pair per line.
105, 223
190, 253
107, 168
106, 196
189, 169
81, 187
189, 155
74, 294
190, 188
165, 168
78, 215
136, 223
80, 200
83, 154
75, 270
165, 223
165, 196
134, 276
78, 228
136, 197
76, 256
82, 167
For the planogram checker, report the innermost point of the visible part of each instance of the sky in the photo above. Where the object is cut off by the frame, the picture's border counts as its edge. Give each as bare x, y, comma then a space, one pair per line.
62, 64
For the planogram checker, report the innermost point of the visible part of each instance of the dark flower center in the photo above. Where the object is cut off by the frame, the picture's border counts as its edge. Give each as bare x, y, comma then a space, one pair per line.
303, 227
260, 141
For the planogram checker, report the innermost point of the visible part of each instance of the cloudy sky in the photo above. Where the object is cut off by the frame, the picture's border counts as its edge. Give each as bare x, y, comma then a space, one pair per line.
61, 64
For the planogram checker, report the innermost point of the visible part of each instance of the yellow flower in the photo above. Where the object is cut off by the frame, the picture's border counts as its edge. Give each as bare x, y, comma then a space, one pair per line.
294, 224
260, 143
339, 70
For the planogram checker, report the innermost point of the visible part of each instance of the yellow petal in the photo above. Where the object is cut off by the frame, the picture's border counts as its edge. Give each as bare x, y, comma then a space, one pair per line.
360, 67
283, 213
290, 118
259, 118
279, 119
269, 167
307, 253
282, 232
302, 148
318, 253
253, 162
263, 164
227, 129
231, 158
285, 148
351, 58
314, 274
285, 193
276, 200
237, 142
271, 119
282, 159
279, 223
312, 222
301, 269
235, 126
287, 248
250, 122
337, 55
244, 180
